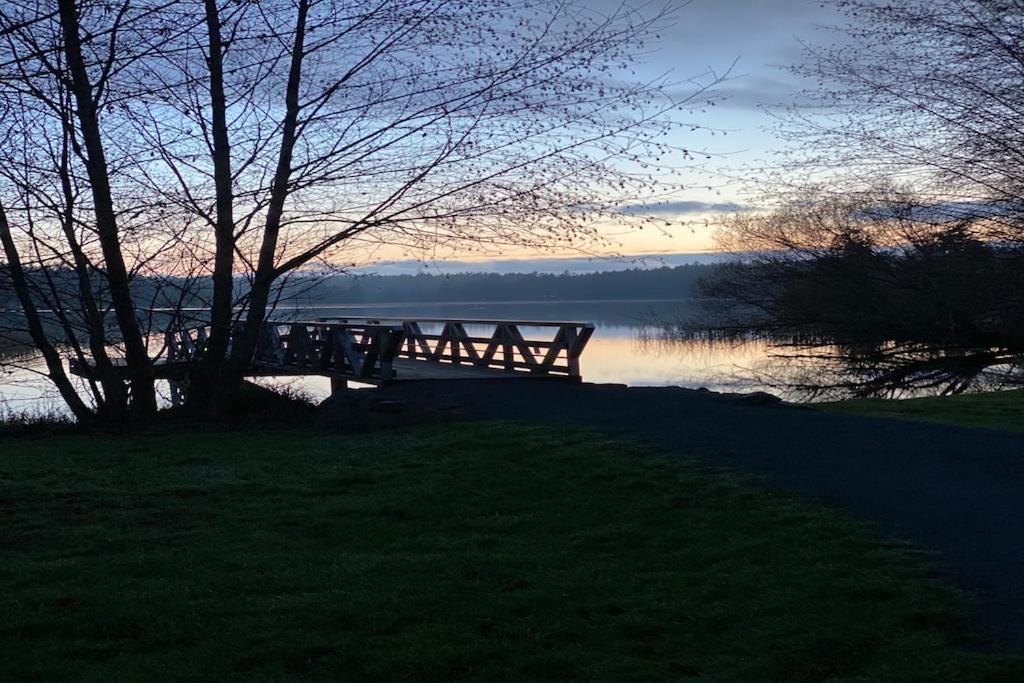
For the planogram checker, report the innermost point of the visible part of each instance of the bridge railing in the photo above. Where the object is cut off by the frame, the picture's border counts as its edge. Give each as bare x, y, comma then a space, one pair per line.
362, 350
367, 348
501, 345
185, 344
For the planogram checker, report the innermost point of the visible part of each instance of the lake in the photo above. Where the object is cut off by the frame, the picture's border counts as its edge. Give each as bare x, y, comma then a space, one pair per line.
622, 350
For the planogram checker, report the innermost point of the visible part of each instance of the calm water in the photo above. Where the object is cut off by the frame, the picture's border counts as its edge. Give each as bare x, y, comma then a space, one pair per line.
620, 351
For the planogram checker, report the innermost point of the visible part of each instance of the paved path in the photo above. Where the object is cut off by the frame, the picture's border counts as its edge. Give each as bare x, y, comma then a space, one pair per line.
953, 490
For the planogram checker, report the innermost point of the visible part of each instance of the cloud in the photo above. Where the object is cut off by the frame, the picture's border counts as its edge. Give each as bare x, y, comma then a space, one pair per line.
756, 96
773, 89
682, 208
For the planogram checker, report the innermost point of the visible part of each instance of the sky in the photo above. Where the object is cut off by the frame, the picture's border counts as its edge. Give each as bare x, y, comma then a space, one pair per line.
754, 42
750, 40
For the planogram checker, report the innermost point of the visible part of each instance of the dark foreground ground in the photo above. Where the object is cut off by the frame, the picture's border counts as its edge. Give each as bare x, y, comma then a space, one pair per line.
954, 490
993, 409
459, 551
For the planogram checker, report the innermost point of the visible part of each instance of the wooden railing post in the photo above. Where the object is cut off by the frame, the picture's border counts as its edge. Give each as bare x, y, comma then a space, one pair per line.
368, 348
391, 345
575, 348
271, 347
173, 348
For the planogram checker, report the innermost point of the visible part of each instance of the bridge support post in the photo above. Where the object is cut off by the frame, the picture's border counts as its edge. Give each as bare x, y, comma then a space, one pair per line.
179, 392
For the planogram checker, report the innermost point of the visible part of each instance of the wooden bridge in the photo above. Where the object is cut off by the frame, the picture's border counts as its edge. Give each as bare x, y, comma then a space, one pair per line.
382, 351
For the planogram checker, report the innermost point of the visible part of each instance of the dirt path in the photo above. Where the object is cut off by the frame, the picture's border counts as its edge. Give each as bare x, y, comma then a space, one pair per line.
953, 490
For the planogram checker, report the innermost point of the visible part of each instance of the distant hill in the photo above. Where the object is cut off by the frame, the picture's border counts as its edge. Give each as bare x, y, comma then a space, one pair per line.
577, 265
658, 283
677, 282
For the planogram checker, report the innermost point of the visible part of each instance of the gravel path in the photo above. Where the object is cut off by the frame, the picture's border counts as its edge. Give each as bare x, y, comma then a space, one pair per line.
953, 490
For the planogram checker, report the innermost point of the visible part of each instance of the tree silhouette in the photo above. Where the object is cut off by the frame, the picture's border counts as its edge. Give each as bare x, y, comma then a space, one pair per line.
860, 296
893, 252
187, 141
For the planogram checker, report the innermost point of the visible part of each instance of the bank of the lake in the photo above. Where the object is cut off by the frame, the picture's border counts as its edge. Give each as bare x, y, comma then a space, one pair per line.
991, 409
485, 551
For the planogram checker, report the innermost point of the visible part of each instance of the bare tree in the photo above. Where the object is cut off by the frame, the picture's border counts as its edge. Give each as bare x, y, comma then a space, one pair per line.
870, 294
892, 253
238, 143
925, 94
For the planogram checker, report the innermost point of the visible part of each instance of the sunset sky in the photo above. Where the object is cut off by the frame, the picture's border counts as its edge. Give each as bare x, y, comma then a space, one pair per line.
756, 39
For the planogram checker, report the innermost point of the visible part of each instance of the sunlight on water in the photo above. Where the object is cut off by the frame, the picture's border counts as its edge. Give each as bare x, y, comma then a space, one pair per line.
618, 353
20, 389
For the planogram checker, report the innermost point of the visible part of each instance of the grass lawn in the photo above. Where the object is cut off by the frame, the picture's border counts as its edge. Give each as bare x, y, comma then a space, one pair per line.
996, 409
467, 551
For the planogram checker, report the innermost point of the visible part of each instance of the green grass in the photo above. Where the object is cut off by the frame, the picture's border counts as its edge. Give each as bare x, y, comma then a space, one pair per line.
995, 410
468, 551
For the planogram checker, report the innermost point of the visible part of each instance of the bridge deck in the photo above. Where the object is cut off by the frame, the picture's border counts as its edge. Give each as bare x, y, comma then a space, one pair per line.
408, 370
405, 370
382, 351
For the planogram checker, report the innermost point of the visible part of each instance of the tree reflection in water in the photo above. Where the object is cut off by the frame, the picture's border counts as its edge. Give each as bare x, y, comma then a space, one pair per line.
818, 369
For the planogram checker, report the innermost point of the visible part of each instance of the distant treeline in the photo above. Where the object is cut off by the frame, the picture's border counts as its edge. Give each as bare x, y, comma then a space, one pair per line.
658, 283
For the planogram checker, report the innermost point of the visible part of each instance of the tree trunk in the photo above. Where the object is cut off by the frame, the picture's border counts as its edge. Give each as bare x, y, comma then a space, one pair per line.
259, 296
140, 369
115, 398
208, 372
54, 364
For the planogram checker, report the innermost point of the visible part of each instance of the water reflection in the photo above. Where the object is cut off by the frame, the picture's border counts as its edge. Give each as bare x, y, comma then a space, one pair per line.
638, 357
625, 349
23, 385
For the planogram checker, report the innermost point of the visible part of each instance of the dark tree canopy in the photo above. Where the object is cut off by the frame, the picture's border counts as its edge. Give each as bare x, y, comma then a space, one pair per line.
891, 253
861, 296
